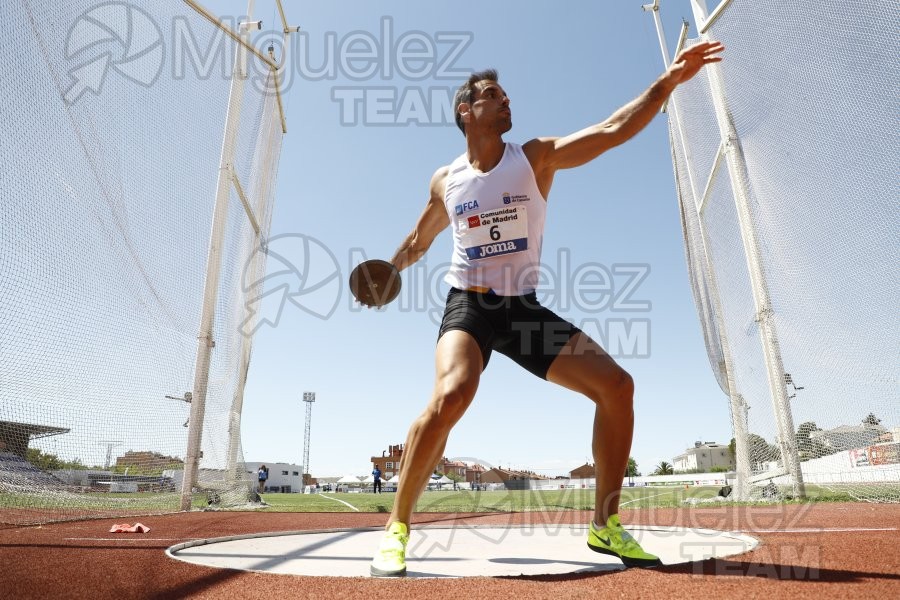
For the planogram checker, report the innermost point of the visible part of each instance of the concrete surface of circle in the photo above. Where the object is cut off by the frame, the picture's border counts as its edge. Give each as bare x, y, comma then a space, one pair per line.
459, 551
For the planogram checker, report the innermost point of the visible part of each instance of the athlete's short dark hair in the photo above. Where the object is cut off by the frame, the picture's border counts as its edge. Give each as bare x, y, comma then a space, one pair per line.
466, 92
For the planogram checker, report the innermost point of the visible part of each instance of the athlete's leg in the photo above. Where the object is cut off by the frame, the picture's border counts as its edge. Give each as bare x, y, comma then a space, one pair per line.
458, 366
583, 366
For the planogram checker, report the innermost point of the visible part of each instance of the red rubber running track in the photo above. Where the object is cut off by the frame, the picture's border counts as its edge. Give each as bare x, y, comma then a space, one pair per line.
807, 551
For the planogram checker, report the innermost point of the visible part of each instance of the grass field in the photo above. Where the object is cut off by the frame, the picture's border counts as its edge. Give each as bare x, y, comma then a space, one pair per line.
494, 501
508, 501
149, 501
431, 501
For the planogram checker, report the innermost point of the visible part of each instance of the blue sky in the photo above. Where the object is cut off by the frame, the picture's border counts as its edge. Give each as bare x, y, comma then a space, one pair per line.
352, 184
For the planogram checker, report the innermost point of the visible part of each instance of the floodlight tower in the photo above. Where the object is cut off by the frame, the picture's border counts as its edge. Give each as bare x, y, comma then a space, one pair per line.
110, 444
309, 398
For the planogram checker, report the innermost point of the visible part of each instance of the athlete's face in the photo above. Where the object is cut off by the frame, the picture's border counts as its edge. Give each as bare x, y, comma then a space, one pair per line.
490, 107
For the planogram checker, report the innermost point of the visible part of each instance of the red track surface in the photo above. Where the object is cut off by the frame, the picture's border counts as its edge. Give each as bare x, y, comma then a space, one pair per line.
801, 556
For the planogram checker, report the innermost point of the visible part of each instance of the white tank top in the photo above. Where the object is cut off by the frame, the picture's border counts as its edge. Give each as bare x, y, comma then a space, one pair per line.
498, 225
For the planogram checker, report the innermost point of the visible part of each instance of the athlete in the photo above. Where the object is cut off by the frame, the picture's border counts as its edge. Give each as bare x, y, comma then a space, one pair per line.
494, 198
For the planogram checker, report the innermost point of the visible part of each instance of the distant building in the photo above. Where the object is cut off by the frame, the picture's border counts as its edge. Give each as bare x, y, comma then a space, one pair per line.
512, 479
389, 461
849, 437
585, 471
500, 475
703, 458
454, 467
15, 437
283, 477
474, 473
148, 461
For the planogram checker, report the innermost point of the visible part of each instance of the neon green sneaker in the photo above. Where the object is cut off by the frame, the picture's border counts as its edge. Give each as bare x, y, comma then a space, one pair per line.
615, 541
390, 560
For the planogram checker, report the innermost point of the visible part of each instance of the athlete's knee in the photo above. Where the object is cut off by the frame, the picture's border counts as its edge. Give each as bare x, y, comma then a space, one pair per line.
616, 389
451, 399
624, 385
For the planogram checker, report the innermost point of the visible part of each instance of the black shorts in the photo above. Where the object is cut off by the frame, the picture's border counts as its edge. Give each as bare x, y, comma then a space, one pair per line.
515, 326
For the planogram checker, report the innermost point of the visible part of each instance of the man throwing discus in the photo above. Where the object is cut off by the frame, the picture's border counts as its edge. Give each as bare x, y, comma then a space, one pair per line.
494, 197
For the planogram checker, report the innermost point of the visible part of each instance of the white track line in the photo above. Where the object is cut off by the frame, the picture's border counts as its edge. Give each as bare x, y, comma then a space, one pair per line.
341, 501
818, 530
646, 498
124, 539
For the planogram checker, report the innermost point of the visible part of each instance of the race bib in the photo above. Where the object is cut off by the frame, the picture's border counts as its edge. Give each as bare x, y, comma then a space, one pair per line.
494, 232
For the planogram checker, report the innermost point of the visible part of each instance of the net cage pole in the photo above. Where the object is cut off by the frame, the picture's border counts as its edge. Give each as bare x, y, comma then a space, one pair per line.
205, 341
264, 180
738, 407
738, 173
737, 404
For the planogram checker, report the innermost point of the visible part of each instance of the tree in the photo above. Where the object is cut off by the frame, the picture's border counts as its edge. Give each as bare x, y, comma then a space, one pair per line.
804, 443
46, 461
758, 448
632, 470
872, 420
806, 446
664, 468
761, 450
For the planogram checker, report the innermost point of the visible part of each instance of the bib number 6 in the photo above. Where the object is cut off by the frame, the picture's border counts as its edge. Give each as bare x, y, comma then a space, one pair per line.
495, 233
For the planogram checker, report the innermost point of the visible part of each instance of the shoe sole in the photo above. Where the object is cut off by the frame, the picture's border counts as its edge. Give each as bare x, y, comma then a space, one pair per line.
379, 573
629, 562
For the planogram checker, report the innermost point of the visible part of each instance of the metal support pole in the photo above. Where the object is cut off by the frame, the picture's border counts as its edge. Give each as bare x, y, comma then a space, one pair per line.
260, 194
664, 48
228, 31
661, 35
213, 271
738, 412
737, 169
738, 406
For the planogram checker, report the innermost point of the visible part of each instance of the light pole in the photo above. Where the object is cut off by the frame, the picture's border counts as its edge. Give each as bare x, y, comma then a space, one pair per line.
187, 398
110, 444
309, 398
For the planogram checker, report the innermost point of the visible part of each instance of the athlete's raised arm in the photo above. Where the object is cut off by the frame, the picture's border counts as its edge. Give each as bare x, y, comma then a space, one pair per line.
549, 154
431, 222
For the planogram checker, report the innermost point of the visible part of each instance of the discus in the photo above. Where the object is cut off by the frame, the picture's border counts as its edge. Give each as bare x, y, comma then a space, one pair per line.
375, 282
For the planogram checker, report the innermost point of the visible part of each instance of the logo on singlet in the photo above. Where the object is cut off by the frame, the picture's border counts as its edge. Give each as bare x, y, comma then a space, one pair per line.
466, 206
510, 198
